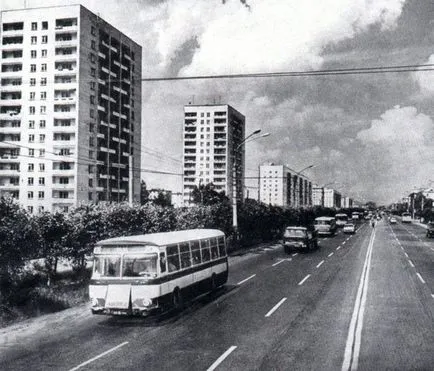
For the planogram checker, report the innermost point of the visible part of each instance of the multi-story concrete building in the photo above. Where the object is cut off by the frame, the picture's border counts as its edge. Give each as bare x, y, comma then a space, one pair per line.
346, 202
326, 197
279, 185
212, 137
317, 196
70, 109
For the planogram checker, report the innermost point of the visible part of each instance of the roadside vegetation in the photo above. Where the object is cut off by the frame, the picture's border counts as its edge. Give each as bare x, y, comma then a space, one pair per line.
49, 238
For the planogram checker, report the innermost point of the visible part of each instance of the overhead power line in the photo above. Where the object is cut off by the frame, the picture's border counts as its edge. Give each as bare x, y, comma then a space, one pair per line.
325, 72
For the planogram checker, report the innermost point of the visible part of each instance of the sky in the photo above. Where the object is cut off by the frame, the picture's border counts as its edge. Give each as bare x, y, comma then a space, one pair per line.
370, 134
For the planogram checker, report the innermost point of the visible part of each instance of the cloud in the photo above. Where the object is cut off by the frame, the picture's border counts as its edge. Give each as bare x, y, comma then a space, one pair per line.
425, 80
271, 35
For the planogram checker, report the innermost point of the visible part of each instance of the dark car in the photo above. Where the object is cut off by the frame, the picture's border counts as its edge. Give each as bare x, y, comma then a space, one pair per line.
430, 229
300, 239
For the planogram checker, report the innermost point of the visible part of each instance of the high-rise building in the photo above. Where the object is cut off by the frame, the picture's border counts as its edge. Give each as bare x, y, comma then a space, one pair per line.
279, 185
213, 150
332, 198
346, 202
70, 109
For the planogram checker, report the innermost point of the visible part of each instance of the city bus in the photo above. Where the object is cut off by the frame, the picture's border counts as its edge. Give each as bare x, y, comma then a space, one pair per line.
325, 225
355, 215
406, 217
341, 219
138, 274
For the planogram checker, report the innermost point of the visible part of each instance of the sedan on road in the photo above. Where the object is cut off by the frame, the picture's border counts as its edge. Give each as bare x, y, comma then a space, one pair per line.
393, 220
349, 228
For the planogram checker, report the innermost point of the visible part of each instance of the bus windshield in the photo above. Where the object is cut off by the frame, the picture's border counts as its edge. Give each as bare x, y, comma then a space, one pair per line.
139, 265
107, 266
341, 217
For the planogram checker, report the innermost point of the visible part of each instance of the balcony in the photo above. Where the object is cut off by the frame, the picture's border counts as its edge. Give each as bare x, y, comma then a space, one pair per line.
9, 186
10, 115
62, 187
12, 55
7, 172
11, 42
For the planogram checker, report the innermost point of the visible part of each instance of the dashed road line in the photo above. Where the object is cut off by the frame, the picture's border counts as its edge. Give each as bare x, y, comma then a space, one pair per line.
222, 358
272, 310
295, 254
411, 263
420, 277
338, 248
330, 254
99, 356
406, 255
320, 263
303, 280
280, 261
246, 279
343, 243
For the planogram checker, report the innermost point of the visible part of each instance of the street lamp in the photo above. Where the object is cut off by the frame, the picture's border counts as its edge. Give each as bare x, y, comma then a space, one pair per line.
234, 178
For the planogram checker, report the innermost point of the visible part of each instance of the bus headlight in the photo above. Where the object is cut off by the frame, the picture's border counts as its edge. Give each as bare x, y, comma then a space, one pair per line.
146, 302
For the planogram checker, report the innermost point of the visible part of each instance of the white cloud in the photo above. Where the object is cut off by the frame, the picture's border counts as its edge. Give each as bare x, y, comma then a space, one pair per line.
425, 80
272, 35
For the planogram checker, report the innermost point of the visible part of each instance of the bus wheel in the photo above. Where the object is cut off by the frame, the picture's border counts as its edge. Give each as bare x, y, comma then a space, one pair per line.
177, 301
213, 282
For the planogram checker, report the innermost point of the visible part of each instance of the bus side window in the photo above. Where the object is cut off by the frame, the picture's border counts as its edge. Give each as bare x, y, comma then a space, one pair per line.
195, 252
204, 247
222, 249
173, 258
184, 250
162, 262
214, 248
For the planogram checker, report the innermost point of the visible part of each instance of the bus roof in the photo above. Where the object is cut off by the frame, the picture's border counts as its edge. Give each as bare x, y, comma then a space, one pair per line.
325, 218
163, 238
341, 214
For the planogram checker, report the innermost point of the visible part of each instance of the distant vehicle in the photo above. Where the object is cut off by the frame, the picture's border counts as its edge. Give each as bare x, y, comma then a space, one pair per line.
406, 217
430, 229
393, 220
349, 228
300, 239
355, 215
325, 225
341, 219
137, 274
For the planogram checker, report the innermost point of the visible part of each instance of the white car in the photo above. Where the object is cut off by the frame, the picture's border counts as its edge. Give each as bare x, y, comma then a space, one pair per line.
349, 228
392, 220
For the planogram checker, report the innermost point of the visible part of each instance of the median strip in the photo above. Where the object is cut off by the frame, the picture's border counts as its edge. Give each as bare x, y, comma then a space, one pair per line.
272, 310
246, 279
303, 280
221, 358
99, 356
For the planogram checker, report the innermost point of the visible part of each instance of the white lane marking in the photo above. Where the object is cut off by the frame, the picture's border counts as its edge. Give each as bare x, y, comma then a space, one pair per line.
432, 295
330, 254
406, 255
277, 263
99, 356
295, 254
303, 280
320, 263
338, 248
432, 248
411, 263
420, 277
352, 347
246, 279
343, 243
222, 358
272, 310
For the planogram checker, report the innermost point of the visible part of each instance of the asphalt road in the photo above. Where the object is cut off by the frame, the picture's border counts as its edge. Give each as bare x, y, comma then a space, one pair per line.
364, 301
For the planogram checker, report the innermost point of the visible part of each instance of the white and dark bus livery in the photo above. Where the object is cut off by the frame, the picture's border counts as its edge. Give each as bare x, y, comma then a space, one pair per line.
136, 274
406, 217
325, 225
341, 219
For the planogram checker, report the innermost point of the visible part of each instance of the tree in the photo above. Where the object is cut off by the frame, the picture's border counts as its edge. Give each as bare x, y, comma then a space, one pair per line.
144, 193
207, 195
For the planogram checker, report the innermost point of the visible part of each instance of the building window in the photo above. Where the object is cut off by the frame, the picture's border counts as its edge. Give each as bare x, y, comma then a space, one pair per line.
93, 31
33, 54
34, 26
44, 53
31, 124
31, 138
91, 128
43, 95
32, 95
63, 180
30, 195
41, 167
44, 67
42, 153
30, 181
91, 142
92, 58
91, 113
90, 182
32, 82
92, 85
41, 209
33, 40
42, 124
93, 72
43, 81
30, 209
45, 25
44, 39
92, 99
41, 193
33, 68
41, 138
32, 110
41, 181
31, 167
43, 110
93, 45
31, 152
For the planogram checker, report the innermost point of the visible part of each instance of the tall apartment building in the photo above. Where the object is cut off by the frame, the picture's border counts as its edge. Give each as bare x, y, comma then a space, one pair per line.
346, 202
70, 109
212, 138
332, 198
279, 185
